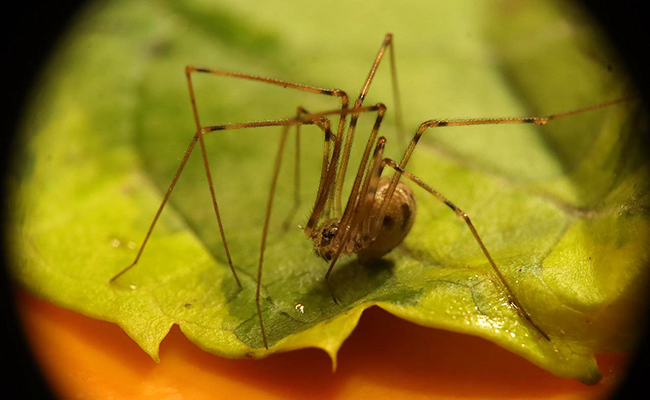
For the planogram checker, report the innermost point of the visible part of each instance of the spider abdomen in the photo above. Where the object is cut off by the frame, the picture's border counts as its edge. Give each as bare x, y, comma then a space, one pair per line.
395, 225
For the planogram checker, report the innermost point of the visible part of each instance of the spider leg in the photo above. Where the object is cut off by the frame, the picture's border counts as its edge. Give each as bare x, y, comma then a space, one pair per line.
300, 111
168, 193
196, 138
340, 178
438, 123
514, 301
286, 84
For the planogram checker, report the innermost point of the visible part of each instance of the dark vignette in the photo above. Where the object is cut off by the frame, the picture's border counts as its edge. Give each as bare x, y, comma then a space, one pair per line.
30, 32
625, 23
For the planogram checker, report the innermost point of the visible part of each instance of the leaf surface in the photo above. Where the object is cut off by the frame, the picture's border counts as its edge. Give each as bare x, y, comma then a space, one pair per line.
562, 208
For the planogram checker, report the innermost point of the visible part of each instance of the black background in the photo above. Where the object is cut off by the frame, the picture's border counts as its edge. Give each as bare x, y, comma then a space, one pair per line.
31, 30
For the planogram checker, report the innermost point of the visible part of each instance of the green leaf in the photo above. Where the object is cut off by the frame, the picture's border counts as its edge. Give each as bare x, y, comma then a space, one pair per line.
563, 208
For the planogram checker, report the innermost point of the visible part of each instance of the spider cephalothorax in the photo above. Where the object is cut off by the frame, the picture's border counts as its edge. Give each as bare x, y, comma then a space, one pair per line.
325, 241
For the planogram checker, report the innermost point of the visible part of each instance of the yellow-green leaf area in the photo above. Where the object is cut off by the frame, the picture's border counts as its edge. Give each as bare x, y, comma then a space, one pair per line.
563, 208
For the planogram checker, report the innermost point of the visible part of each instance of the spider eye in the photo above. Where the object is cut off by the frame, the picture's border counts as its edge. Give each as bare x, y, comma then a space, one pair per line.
328, 233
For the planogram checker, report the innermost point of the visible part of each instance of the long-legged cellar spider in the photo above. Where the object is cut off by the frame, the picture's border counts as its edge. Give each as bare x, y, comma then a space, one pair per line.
379, 211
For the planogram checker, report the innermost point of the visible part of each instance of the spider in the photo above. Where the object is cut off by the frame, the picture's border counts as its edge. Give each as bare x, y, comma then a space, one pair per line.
379, 211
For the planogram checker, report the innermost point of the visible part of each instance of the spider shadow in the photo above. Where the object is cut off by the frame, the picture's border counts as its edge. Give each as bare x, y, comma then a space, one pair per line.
353, 282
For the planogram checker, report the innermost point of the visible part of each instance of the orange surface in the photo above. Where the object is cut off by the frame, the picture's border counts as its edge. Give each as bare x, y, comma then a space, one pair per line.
385, 358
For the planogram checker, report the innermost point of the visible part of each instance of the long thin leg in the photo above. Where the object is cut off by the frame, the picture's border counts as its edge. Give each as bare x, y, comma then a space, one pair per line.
439, 123
188, 71
353, 199
364, 218
325, 125
397, 98
296, 173
188, 152
434, 123
388, 40
186, 156
511, 295
265, 230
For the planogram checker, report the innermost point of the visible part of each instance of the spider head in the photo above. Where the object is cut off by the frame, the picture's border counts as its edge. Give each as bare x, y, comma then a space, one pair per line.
325, 240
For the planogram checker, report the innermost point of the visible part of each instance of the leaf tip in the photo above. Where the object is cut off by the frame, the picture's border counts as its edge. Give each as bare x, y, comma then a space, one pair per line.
333, 354
593, 377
